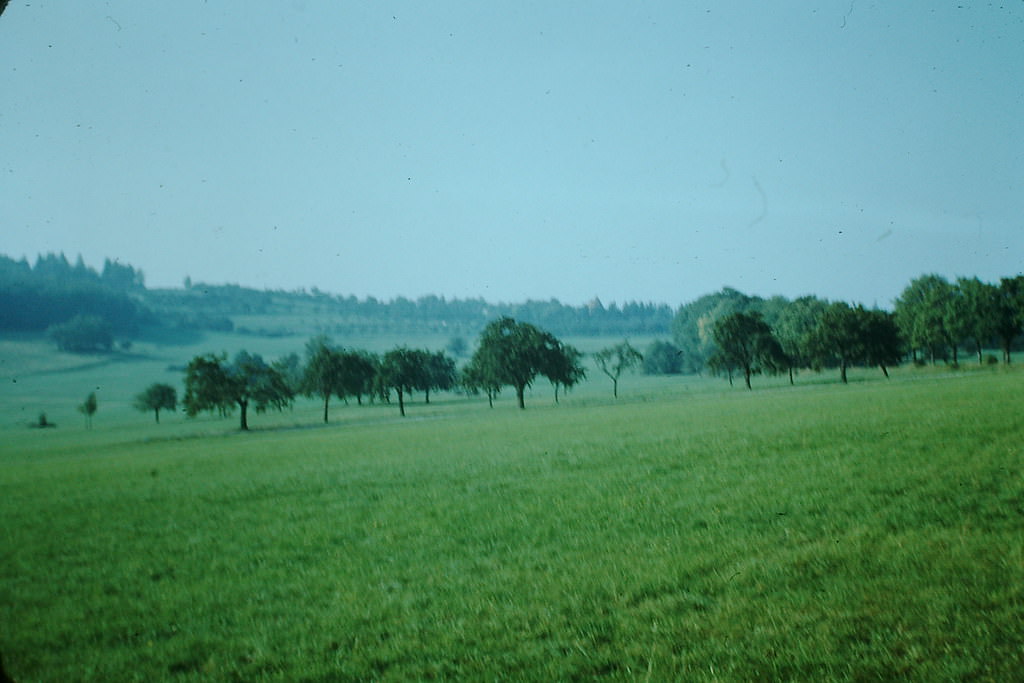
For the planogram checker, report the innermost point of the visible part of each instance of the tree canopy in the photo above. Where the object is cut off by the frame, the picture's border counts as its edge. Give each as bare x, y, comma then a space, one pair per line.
323, 374
513, 353
745, 342
613, 360
663, 358
157, 397
211, 383
401, 369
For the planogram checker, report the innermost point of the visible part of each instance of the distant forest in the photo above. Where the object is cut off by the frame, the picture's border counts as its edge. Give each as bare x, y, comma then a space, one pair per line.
34, 298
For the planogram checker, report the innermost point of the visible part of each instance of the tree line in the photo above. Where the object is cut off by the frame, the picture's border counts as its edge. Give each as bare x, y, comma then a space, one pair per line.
34, 298
53, 291
738, 335
933, 319
509, 354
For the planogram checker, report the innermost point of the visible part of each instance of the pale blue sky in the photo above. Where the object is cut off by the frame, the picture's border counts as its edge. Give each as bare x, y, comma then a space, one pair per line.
650, 151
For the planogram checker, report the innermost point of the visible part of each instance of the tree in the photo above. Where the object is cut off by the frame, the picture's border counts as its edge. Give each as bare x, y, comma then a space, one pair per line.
358, 373
157, 397
883, 345
745, 341
693, 325
292, 371
514, 353
613, 360
663, 358
1010, 313
213, 383
322, 375
981, 304
401, 369
921, 314
838, 337
476, 377
793, 328
88, 408
564, 367
438, 373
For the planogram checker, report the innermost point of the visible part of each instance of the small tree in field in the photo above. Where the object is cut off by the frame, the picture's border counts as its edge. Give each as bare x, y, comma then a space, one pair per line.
322, 375
564, 367
514, 353
402, 369
613, 360
745, 342
156, 398
88, 408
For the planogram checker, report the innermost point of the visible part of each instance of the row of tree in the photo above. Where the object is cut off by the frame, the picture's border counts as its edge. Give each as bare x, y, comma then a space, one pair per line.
933, 320
836, 334
510, 353
937, 317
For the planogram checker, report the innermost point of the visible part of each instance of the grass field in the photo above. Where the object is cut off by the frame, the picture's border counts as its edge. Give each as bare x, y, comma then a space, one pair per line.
686, 532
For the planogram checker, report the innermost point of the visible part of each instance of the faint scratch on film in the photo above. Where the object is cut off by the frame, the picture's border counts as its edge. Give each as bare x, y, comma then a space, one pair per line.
764, 203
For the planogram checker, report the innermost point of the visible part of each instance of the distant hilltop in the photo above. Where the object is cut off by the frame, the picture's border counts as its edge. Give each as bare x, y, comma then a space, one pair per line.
33, 298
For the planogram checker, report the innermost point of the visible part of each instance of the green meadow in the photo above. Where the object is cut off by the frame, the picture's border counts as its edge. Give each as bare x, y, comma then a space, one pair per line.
687, 531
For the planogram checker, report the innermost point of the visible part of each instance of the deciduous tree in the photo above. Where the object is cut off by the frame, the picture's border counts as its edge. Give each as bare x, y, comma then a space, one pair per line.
514, 353
476, 377
662, 358
613, 360
358, 373
157, 397
401, 369
745, 341
564, 367
793, 328
438, 373
1010, 313
213, 383
981, 301
88, 408
921, 314
322, 375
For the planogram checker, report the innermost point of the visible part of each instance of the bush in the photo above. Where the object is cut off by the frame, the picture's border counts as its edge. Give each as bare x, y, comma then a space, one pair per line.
83, 334
663, 358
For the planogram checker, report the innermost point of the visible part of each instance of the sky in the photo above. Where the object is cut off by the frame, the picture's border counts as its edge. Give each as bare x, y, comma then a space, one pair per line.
630, 151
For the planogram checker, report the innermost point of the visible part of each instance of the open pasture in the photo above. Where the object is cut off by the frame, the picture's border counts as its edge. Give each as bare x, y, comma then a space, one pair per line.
687, 532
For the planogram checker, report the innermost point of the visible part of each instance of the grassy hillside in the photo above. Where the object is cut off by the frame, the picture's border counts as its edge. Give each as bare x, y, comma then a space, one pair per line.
685, 532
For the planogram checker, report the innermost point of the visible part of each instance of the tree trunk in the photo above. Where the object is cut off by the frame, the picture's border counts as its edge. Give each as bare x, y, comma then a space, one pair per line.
791, 382
885, 371
401, 402
426, 395
842, 371
244, 405
746, 376
520, 389
490, 398
615, 387
156, 413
